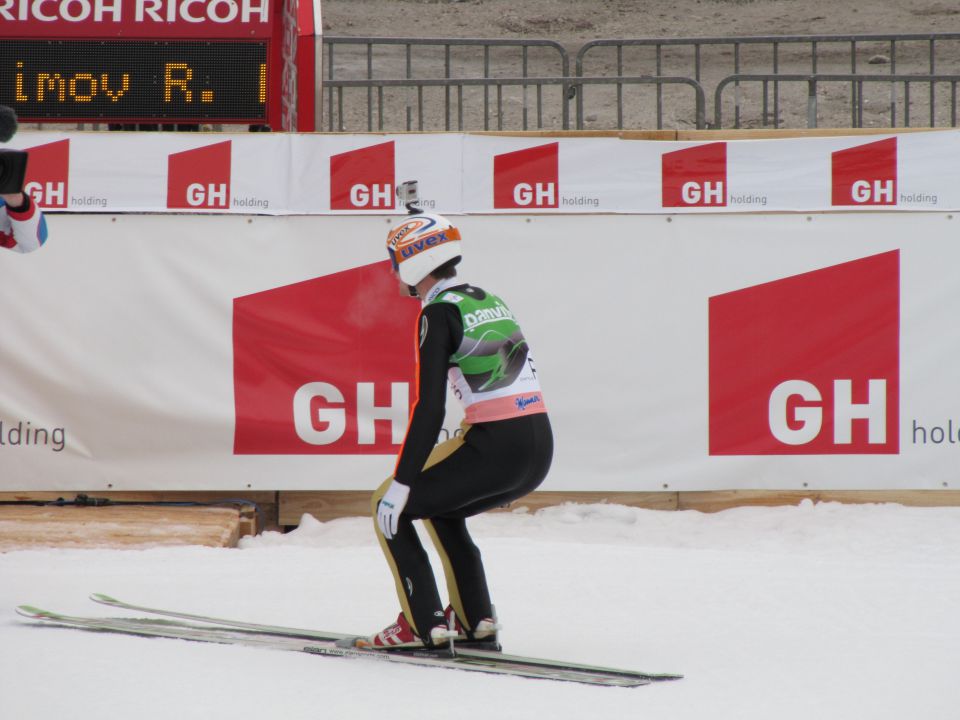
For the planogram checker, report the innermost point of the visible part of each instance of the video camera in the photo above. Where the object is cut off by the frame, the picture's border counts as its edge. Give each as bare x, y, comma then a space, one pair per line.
13, 171
408, 193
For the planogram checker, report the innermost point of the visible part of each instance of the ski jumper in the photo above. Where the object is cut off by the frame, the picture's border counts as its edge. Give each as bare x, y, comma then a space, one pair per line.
503, 452
22, 229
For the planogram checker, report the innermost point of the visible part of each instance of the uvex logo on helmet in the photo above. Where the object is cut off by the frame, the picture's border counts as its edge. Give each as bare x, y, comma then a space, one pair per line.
809, 364
420, 244
409, 241
415, 224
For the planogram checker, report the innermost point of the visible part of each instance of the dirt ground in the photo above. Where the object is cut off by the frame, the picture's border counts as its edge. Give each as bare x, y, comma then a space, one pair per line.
572, 23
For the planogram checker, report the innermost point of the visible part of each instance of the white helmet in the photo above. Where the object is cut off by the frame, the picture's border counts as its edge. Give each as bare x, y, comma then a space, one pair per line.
420, 244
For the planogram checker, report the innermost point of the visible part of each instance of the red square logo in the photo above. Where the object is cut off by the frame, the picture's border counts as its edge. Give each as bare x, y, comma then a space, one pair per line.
363, 179
48, 174
199, 179
527, 178
695, 177
324, 366
810, 364
866, 174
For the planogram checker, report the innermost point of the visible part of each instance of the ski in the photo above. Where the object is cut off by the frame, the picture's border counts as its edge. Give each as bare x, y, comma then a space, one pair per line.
153, 627
258, 627
163, 628
487, 655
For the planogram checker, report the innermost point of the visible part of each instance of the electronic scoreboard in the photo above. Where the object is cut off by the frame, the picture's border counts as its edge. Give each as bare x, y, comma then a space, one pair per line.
138, 60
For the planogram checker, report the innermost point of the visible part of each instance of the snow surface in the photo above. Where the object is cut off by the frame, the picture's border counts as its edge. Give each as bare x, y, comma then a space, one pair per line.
815, 612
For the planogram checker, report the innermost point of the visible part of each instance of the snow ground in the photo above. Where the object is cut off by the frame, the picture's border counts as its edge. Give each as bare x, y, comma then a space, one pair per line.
812, 612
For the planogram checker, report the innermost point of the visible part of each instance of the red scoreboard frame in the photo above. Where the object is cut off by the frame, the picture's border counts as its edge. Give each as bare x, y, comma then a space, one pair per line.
142, 61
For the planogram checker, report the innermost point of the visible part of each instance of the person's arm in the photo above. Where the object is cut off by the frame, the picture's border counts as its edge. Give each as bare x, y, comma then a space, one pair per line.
28, 225
440, 334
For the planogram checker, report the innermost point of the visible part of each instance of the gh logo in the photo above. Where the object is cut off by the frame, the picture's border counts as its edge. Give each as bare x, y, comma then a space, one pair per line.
708, 193
538, 194
209, 195
372, 196
794, 424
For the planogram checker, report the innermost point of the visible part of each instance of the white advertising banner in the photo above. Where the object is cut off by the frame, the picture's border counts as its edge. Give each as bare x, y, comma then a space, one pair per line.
280, 174
680, 352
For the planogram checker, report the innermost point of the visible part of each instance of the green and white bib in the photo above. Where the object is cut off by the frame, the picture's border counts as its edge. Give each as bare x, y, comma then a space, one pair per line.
493, 374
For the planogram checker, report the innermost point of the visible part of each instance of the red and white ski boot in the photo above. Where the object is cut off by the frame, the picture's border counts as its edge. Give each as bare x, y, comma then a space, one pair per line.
400, 636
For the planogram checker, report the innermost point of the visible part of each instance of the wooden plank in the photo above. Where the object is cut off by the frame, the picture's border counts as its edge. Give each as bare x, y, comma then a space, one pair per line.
623, 134
716, 500
547, 498
285, 508
701, 135
323, 505
667, 135
250, 522
326, 506
773, 134
29, 527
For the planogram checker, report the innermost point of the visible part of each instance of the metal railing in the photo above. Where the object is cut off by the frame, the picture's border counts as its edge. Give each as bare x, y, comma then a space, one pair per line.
412, 105
700, 57
857, 99
458, 84
379, 61
711, 60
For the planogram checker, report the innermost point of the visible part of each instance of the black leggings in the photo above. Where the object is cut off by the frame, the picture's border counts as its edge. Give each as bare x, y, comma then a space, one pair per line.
490, 465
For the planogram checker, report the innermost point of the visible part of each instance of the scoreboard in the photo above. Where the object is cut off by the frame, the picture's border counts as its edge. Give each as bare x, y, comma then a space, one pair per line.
139, 60
135, 79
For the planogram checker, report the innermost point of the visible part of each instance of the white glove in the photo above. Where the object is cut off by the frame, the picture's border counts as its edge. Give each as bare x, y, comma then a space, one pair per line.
390, 507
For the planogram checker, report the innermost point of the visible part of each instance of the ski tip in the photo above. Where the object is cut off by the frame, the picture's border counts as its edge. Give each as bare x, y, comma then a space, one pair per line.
664, 677
101, 598
34, 612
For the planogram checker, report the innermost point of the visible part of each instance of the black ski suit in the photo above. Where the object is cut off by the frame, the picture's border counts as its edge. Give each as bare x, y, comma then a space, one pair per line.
487, 465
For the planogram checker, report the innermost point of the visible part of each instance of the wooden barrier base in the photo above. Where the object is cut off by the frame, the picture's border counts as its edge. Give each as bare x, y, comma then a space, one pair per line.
716, 500
326, 506
334, 504
251, 522
124, 525
24, 527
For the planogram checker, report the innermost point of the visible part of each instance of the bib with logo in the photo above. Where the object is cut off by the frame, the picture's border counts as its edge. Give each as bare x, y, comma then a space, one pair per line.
493, 374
